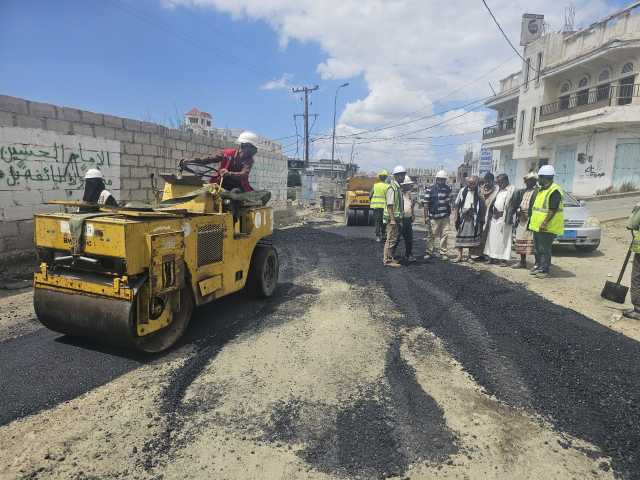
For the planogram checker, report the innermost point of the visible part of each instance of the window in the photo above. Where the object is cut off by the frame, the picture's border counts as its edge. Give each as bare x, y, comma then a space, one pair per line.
533, 124
582, 97
604, 75
539, 68
628, 68
527, 67
603, 91
521, 127
193, 121
564, 100
626, 90
208, 123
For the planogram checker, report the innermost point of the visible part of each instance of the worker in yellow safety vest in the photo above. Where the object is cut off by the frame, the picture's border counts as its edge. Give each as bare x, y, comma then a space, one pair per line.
546, 219
377, 203
634, 226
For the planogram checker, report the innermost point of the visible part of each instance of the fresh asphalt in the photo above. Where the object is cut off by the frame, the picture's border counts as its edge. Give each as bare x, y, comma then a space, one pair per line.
580, 376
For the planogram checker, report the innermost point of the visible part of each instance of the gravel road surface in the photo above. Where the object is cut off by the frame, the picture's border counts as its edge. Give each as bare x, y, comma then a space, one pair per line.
351, 371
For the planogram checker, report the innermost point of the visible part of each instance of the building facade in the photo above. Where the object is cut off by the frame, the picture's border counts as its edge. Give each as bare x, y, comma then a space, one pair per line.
198, 122
576, 105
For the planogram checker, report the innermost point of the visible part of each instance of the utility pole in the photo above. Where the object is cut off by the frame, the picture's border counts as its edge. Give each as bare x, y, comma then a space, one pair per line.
333, 136
306, 91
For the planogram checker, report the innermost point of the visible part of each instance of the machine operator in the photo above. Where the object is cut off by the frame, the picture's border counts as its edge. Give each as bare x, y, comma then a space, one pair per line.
235, 163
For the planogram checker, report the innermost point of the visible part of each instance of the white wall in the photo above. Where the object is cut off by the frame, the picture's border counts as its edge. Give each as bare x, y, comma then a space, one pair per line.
596, 173
38, 165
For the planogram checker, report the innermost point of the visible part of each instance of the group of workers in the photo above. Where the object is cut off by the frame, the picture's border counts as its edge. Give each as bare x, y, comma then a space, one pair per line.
490, 217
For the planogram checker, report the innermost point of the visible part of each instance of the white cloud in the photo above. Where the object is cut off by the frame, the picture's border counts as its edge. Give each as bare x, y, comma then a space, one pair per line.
411, 53
281, 83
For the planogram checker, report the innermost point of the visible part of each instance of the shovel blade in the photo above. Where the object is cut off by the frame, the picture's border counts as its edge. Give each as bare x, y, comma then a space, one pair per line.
614, 292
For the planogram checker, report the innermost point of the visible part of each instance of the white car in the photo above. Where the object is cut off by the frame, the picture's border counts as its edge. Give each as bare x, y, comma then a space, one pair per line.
581, 229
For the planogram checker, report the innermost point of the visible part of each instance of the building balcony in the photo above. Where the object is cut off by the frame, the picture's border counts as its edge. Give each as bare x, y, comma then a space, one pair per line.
590, 99
501, 129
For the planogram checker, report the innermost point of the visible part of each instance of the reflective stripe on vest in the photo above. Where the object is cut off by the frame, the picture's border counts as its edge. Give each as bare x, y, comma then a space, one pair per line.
379, 198
635, 246
398, 203
104, 196
541, 210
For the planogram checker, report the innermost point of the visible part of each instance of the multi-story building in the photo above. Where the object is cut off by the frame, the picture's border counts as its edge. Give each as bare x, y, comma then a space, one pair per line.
575, 104
198, 122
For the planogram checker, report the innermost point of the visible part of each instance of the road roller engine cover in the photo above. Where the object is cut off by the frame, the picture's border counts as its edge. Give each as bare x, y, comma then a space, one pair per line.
132, 275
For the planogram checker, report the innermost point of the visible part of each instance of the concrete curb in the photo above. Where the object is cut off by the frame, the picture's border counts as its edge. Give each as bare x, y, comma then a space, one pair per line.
610, 196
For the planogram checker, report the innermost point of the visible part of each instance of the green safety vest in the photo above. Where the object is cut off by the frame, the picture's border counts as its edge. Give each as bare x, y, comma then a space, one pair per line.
379, 198
398, 202
541, 209
635, 246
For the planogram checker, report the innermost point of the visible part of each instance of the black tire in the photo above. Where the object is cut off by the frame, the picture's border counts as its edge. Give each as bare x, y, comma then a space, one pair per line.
263, 272
350, 215
163, 339
361, 218
587, 248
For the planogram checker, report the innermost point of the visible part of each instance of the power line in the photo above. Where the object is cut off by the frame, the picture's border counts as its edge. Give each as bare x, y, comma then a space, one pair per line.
393, 125
503, 32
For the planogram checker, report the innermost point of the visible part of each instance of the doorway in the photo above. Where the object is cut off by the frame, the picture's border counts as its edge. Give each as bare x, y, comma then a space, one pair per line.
565, 166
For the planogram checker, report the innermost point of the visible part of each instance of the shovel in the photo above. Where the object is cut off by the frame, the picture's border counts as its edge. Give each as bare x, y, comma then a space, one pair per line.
614, 291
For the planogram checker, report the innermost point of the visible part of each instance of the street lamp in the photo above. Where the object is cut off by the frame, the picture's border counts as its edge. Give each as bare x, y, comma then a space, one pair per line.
333, 140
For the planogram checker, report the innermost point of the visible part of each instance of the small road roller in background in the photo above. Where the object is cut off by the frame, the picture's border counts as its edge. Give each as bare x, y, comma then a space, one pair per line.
132, 276
357, 211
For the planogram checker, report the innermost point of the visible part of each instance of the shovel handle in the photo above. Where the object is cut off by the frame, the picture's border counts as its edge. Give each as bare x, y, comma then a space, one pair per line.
626, 262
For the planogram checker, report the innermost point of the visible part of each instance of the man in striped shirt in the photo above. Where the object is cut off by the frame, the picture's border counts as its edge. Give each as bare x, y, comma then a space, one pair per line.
437, 211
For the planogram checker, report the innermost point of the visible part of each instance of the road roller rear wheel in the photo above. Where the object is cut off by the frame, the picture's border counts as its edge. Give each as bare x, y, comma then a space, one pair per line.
263, 272
168, 336
361, 217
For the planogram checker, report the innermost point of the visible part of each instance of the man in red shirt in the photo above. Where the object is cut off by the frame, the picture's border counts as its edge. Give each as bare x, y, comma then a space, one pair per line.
235, 164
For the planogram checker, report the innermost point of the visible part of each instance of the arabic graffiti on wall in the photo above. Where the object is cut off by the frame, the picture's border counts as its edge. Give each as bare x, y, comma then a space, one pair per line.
33, 159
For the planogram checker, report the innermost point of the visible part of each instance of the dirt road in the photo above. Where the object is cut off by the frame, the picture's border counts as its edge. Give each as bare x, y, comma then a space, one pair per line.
351, 371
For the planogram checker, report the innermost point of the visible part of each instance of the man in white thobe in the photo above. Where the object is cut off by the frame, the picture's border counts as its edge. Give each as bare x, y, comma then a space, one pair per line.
498, 246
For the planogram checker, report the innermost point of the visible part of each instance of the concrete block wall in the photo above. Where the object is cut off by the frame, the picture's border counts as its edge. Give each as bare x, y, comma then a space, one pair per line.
45, 150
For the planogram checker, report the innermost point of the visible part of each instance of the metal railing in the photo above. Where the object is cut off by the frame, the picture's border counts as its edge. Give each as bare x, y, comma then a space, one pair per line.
590, 99
503, 127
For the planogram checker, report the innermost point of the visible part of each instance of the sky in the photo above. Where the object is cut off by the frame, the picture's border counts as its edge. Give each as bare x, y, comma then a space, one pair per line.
413, 66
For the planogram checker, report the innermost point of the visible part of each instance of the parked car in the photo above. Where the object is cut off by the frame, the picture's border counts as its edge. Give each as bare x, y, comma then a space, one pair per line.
581, 229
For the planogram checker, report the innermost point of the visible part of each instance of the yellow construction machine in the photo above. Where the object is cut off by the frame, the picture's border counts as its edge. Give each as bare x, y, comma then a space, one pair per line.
131, 276
357, 202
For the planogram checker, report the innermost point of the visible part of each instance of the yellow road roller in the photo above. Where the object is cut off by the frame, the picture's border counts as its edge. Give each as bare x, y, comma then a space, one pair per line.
131, 276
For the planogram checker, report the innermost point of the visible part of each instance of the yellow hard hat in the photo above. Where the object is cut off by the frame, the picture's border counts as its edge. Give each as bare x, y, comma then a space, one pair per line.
383, 173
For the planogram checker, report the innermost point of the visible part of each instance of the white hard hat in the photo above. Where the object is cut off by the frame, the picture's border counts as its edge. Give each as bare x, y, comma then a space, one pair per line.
248, 137
407, 180
441, 174
547, 171
399, 169
93, 173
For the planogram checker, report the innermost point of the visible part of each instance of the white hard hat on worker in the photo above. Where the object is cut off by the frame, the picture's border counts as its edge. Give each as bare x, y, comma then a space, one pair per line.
441, 174
546, 171
398, 170
248, 138
93, 173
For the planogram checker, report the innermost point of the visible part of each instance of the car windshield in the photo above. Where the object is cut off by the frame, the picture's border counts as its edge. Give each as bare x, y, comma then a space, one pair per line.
570, 201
